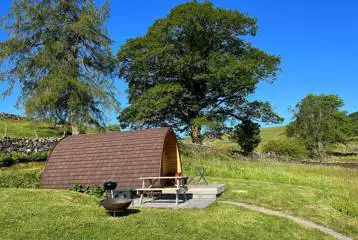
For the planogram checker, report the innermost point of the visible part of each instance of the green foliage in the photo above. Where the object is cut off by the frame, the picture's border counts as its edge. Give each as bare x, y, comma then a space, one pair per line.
20, 179
113, 128
247, 135
90, 190
354, 123
194, 67
319, 122
287, 147
60, 54
9, 159
354, 116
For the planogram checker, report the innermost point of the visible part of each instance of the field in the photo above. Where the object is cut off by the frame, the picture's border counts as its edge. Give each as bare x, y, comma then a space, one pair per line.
324, 195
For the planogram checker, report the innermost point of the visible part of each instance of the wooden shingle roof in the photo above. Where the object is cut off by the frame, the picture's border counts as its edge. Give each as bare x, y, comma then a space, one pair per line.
93, 159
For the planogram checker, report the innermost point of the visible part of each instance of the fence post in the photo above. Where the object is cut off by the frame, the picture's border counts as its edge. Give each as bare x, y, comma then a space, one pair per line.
5, 135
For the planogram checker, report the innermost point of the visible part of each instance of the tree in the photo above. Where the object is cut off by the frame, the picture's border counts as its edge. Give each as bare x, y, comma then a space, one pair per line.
354, 123
354, 116
59, 52
247, 135
319, 122
192, 68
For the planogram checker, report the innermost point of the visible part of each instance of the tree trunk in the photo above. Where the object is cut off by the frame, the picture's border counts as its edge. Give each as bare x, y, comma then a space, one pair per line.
195, 135
74, 126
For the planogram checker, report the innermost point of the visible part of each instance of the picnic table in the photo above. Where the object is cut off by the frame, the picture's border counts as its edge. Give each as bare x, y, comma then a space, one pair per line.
179, 186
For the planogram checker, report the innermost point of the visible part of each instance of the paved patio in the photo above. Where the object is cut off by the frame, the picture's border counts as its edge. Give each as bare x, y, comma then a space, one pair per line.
199, 196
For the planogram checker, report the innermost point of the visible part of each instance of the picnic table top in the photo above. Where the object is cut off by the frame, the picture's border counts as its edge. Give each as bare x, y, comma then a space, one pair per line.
174, 177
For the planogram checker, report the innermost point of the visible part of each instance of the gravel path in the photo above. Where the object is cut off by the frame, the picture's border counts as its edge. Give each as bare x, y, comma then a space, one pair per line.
299, 220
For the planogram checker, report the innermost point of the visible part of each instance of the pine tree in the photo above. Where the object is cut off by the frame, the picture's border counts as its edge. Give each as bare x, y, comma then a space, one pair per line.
59, 52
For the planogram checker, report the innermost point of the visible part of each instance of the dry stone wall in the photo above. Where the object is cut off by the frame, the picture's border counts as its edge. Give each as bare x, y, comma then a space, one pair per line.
27, 145
10, 116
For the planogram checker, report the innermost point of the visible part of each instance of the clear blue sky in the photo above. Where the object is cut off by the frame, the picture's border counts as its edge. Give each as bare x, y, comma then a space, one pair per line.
317, 40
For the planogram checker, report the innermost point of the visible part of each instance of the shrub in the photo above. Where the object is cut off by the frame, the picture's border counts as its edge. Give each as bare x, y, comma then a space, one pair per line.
6, 160
94, 190
287, 147
9, 159
247, 135
20, 179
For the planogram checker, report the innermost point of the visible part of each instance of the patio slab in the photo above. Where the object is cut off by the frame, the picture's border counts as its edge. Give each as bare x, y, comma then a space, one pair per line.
199, 196
191, 203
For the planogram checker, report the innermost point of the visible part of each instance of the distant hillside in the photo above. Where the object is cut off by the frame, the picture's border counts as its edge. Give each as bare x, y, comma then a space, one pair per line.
272, 133
267, 134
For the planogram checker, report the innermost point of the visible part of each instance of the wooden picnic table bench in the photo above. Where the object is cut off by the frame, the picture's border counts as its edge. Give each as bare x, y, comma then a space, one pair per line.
178, 188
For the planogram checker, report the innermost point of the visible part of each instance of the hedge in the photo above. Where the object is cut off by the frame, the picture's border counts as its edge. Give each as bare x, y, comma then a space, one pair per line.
7, 160
286, 147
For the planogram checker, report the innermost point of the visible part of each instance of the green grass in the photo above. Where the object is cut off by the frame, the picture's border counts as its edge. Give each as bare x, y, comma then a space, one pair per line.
53, 214
272, 133
326, 195
25, 128
22, 175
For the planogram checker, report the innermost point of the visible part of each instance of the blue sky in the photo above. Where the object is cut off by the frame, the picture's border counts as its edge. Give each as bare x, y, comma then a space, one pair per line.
316, 39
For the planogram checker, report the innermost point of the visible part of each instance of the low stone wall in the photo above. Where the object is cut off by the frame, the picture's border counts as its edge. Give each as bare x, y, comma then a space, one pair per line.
27, 145
10, 116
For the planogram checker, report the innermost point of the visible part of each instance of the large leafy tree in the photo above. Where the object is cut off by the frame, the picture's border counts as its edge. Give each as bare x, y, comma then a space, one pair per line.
193, 67
59, 52
318, 121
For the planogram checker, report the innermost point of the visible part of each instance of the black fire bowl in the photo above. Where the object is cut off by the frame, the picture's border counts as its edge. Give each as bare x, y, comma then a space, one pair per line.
115, 205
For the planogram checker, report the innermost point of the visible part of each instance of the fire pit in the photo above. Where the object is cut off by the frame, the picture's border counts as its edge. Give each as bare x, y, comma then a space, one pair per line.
114, 205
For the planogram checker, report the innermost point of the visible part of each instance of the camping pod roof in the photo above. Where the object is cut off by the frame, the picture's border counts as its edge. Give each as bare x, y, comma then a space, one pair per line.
92, 159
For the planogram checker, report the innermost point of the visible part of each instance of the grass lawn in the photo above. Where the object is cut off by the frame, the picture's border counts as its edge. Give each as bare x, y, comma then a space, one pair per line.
54, 214
325, 195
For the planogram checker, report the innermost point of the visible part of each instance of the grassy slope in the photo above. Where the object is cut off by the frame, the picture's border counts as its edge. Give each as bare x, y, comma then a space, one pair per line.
25, 128
272, 133
267, 134
326, 195
51, 214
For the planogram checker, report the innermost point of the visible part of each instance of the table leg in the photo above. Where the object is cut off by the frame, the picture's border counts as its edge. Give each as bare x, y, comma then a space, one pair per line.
141, 198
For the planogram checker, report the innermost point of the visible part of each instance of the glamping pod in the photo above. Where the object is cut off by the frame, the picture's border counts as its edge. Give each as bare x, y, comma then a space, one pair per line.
124, 157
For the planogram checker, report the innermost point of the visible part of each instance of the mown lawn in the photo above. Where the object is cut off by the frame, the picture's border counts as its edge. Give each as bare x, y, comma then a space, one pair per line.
53, 214
325, 195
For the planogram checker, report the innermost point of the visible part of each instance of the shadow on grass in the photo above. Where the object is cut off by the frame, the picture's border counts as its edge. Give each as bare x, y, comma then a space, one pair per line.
124, 213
